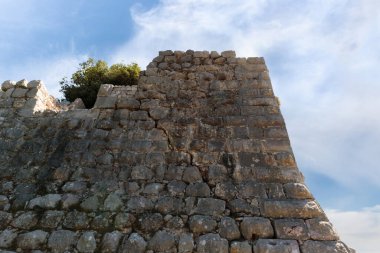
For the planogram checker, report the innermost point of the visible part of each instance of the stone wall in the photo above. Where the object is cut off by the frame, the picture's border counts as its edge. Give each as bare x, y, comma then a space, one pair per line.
195, 158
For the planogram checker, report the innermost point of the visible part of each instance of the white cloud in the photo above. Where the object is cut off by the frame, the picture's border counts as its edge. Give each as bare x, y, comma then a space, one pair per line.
323, 57
360, 229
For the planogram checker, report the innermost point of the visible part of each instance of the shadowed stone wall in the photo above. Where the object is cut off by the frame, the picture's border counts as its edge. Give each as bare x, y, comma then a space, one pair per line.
195, 158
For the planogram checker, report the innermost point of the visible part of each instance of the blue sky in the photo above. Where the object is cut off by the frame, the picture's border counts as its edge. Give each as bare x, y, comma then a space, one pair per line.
323, 57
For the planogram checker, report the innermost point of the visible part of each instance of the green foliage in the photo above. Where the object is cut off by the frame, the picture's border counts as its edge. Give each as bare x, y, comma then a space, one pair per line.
86, 81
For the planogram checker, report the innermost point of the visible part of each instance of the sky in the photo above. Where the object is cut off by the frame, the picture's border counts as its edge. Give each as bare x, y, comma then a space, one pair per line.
323, 57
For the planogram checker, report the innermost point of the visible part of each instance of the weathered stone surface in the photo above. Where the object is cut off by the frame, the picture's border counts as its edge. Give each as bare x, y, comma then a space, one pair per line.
5, 218
48, 201
87, 242
7, 238
62, 241
212, 243
321, 230
324, 246
191, 175
201, 224
25, 220
291, 229
210, 206
113, 203
276, 246
90, 204
110, 242
185, 243
291, 209
133, 244
229, 229
76, 220
32, 240
124, 221
161, 241
256, 227
297, 191
240, 247
151, 222
198, 190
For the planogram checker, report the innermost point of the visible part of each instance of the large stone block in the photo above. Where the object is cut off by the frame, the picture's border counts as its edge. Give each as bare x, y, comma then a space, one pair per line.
276, 246
291, 209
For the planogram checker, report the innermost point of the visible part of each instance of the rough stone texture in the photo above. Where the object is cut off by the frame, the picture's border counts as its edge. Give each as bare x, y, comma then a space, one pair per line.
86, 242
256, 227
196, 157
62, 241
241, 247
212, 243
276, 246
31, 240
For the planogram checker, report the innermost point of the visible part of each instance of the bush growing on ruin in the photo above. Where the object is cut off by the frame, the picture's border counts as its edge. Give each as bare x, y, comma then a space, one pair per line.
86, 81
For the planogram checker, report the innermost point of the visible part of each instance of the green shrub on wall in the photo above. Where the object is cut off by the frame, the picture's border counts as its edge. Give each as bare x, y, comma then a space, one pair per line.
85, 82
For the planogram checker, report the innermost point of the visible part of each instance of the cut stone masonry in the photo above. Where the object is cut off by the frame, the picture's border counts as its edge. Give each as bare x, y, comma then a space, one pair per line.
195, 158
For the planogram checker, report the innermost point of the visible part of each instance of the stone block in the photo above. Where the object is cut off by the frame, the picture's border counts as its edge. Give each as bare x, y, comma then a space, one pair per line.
49, 201
276, 246
240, 206
128, 103
5, 218
150, 222
210, 206
76, 220
212, 243
139, 204
228, 54
291, 229
201, 224
169, 205
256, 227
297, 191
176, 188
198, 189
8, 84
291, 209
134, 243
86, 242
185, 243
25, 221
162, 241
19, 93
240, 247
229, 229
110, 242
324, 247
22, 83
321, 230
90, 204
32, 240
225, 190
61, 241
7, 238
51, 219
124, 221
105, 102
112, 203
191, 175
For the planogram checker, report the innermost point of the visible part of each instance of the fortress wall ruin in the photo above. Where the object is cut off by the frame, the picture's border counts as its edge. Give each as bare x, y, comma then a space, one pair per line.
195, 158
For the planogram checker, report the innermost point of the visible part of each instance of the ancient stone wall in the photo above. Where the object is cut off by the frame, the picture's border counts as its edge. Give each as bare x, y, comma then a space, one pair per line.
195, 158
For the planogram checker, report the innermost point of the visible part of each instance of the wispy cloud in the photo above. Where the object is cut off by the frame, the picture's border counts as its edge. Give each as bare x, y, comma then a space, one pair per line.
323, 57
364, 235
